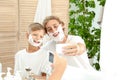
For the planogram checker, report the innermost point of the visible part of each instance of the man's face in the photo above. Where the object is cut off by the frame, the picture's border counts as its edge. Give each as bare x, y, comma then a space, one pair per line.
35, 37
55, 30
52, 26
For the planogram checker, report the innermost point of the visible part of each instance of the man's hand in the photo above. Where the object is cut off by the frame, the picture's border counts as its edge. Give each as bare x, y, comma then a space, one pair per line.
59, 67
73, 49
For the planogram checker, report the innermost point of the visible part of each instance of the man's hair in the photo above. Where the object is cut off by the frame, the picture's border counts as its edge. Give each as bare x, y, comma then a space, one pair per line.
48, 18
35, 26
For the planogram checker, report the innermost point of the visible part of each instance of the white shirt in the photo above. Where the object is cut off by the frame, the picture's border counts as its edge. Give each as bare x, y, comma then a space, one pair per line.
37, 61
80, 61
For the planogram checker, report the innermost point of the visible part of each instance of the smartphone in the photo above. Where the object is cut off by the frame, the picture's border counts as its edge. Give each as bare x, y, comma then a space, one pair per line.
51, 57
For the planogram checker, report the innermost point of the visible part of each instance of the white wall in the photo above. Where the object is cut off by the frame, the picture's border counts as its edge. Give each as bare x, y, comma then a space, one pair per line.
110, 41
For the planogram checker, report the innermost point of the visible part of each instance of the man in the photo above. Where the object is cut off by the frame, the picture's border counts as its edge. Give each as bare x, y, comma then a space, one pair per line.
74, 50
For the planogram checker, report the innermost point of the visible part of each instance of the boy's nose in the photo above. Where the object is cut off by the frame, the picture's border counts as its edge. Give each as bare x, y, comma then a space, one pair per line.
38, 38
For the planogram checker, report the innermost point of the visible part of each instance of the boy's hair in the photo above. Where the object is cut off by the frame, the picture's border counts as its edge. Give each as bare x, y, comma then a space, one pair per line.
35, 26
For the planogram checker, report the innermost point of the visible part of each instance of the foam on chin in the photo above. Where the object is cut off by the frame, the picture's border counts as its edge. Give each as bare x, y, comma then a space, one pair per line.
33, 42
60, 36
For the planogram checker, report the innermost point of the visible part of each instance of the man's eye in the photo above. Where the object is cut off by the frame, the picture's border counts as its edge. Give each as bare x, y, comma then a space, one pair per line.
49, 30
55, 26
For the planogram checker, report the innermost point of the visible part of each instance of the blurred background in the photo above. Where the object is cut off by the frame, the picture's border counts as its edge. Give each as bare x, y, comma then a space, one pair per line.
81, 17
15, 16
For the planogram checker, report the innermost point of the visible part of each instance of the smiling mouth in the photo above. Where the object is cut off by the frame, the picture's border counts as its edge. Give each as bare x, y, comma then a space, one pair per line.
36, 42
56, 34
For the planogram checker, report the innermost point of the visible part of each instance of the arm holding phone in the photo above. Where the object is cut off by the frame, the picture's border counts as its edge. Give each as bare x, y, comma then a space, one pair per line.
59, 66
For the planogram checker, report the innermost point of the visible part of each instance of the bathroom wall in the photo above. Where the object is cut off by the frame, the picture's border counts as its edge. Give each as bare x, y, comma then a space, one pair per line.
15, 16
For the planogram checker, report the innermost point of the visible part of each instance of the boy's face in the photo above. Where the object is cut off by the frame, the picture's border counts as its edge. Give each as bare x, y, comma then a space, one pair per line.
35, 37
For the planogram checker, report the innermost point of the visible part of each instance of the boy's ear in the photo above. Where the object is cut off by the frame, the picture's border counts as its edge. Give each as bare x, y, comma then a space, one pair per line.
27, 35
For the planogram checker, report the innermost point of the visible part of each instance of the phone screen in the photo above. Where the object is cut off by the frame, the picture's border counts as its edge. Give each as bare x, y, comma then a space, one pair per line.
51, 57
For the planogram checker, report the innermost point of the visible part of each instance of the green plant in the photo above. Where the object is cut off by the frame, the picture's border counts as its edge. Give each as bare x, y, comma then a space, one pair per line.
80, 24
102, 2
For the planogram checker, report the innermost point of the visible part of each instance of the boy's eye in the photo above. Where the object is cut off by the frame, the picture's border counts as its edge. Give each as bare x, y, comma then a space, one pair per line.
55, 27
34, 34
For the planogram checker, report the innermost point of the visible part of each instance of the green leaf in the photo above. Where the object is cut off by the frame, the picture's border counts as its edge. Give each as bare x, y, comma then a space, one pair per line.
81, 24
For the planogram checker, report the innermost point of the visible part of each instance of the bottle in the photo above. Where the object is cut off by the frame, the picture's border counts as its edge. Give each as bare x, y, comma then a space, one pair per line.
8, 74
1, 78
0, 67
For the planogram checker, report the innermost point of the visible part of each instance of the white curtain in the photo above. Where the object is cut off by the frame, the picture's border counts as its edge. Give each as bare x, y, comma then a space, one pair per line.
43, 10
110, 38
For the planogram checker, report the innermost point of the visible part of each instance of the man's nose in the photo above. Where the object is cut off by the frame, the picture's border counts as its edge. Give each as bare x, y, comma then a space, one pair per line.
53, 30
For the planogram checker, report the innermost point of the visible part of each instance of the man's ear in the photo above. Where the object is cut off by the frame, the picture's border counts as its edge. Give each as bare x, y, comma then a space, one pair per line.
63, 28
